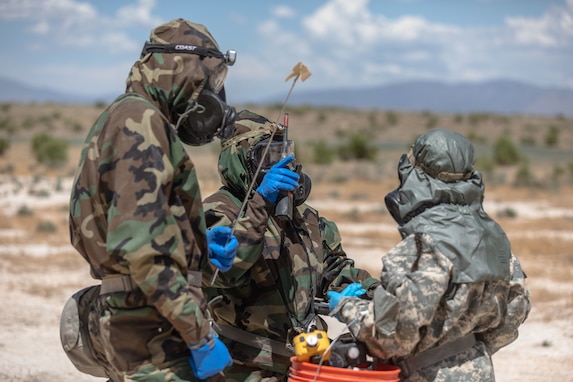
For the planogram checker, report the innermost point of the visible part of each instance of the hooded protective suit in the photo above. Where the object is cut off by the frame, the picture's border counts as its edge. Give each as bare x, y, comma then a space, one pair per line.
452, 293
280, 267
136, 214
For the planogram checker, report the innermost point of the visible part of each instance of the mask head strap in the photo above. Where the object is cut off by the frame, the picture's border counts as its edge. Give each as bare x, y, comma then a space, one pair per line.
250, 134
228, 58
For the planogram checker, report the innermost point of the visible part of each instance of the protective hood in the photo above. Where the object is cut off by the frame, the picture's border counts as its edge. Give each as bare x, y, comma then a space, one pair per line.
169, 79
441, 194
250, 128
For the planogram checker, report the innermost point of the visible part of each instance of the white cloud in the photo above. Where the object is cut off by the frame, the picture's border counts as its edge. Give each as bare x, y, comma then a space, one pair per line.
342, 42
44, 9
269, 27
530, 32
412, 28
49, 16
283, 12
340, 21
138, 14
281, 44
553, 29
70, 23
358, 47
41, 28
351, 44
119, 42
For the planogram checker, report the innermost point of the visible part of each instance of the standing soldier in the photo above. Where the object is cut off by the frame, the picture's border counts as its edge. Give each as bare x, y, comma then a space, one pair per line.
452, 292
283, 262
136, 213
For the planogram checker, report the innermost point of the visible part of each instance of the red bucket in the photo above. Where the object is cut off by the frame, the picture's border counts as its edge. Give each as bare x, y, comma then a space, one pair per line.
306, 372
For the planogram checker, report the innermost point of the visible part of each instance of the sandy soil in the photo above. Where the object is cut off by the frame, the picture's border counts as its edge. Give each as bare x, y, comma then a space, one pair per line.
39, 271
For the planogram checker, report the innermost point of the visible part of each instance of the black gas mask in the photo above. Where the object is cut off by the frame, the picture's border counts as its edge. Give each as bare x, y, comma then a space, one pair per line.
300, 194
286, 201
392, 199
208, 117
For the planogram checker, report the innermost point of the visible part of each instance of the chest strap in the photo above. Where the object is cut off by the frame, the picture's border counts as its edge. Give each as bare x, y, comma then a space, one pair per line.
252, 340
434, 355
125, 283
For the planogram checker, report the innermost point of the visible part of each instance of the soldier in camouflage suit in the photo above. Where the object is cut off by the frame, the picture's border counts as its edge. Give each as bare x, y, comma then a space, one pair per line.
281, 265
452, 292
136, 214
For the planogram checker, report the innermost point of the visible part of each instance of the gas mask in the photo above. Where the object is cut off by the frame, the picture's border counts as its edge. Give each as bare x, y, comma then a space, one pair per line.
300, 194
277, 150
208, 117
286, 201
392, 199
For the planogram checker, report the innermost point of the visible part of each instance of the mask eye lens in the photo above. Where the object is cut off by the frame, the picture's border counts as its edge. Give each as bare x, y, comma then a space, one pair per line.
401, 163
274, 153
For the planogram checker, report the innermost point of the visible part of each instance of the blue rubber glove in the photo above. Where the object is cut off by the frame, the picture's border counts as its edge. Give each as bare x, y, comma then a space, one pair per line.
222, 247
210, 359
352, 290
279, 178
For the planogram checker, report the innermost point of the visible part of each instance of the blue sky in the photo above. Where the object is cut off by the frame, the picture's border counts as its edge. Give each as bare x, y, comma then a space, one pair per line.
87, 47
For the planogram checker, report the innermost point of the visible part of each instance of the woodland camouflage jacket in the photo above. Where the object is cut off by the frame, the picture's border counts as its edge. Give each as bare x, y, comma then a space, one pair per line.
136, 207
280, 266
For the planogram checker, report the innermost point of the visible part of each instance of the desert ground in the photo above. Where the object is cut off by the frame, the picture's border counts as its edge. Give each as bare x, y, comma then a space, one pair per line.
40, 270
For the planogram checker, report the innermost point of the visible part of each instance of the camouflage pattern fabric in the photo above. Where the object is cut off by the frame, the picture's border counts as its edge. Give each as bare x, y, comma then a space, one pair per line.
453, 273
416, 308
280, 266
239, 373
136, 210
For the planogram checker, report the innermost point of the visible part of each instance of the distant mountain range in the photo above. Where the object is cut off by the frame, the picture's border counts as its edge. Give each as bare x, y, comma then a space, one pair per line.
14, 91
499, 96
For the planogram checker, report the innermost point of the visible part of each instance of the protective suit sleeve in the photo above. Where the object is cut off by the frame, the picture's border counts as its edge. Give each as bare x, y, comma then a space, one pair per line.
221, 209
407, 300
518, 307
339, 268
